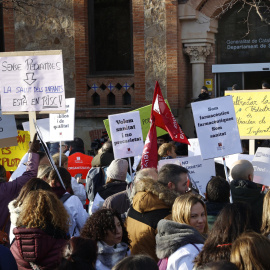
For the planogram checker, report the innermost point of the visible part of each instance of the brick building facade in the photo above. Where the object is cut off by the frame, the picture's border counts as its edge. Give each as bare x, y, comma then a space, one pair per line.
172, 42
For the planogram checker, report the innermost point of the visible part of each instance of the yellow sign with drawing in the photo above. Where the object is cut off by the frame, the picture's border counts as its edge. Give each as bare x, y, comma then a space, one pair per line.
252, 109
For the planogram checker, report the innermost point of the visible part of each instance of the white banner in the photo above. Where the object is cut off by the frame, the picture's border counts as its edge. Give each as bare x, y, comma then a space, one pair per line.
32, 83
8, 127
126, 133
216, 127
62, 125
200, 170
194, 148
261, 166
44, 127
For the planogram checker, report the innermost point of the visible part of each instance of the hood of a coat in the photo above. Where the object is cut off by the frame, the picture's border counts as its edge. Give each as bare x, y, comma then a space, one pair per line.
245, 190
151, 195
14, 212
173, 235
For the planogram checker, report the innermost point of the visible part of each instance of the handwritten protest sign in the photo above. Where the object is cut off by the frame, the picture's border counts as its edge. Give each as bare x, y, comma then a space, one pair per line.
10, 157
200, 170
8, 130
252, 109
261, 167
145, 121
32, 81
126, 134
216, 127
44, 126
62, 125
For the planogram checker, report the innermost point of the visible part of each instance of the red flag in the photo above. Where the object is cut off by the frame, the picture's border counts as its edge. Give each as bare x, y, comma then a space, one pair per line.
150, 154
164, 117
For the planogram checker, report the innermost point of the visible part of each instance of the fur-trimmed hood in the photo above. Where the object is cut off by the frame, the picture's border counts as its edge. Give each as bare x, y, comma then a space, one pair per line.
151, 195
173, 235
14, 212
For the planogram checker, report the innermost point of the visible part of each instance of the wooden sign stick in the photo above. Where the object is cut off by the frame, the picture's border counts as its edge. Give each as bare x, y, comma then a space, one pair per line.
32, 119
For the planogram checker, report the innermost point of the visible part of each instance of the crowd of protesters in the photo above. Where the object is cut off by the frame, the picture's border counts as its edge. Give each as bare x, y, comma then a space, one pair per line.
120, 219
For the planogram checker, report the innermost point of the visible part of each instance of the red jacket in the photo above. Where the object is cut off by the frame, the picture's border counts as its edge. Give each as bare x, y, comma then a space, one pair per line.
35, 245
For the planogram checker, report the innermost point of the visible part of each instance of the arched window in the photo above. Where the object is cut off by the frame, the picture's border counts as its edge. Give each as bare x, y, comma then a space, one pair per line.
96, 99
126, 98
111, 99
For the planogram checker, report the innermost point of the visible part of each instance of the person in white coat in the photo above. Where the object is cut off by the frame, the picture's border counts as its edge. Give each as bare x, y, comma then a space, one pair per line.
179, 241
72, 204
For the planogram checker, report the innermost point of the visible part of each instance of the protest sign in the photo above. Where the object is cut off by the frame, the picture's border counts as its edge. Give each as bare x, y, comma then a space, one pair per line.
32, 81
145, 121
233, 158
8, 130
261, 167
252, 109
216, 127
126, 133
200, 170
10, 157
62, 125
194, 148
44, 127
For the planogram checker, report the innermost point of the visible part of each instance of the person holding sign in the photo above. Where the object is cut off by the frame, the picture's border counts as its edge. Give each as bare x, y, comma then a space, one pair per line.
10, 190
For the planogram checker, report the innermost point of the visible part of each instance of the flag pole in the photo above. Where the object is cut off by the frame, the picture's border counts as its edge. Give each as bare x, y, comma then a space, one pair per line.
131, 175
60, 152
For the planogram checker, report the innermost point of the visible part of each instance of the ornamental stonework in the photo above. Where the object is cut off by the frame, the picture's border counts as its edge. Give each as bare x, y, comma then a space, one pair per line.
155, 46
198, 54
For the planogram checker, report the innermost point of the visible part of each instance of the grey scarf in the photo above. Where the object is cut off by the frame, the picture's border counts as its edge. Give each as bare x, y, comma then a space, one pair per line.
111, 255
173, 235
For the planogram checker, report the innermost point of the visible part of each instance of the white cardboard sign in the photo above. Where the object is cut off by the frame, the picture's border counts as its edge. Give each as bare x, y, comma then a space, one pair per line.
194, 148
8, 129
126, 133
216, 127
62, 125
44, 127
32, 82
261, 166
200, 170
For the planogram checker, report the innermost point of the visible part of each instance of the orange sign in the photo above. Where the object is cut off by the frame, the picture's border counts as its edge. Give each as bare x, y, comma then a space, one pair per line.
79, 163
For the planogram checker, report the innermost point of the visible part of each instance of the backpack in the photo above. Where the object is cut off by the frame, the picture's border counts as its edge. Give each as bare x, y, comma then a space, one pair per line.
94, 179
65, 197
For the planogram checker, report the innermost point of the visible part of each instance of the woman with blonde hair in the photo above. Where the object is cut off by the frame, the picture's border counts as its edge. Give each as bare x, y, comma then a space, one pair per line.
41, 231
180, 240
250, 251
265, 229
167, 151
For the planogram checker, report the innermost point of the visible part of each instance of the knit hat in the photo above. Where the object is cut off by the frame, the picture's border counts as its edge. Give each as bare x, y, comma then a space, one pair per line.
118, 169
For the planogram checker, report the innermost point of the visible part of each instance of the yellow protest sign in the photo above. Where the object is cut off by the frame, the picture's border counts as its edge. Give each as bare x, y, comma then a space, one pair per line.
145, 113
10, 157
252, 109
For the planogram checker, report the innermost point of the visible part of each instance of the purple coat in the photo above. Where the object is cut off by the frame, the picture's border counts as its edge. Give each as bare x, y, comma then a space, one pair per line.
10, 190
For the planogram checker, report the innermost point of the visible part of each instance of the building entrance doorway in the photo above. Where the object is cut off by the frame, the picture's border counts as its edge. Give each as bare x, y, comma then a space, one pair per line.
246, 76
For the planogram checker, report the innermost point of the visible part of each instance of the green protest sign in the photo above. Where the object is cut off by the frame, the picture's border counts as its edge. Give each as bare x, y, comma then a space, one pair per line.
145, 113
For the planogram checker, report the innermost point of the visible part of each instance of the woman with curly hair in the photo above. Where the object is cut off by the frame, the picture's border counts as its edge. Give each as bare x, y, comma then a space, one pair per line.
106, 227
233, 220
179, 240
41, 231
15, 206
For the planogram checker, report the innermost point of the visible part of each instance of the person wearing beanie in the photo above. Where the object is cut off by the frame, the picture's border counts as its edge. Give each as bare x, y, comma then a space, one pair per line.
116, 176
